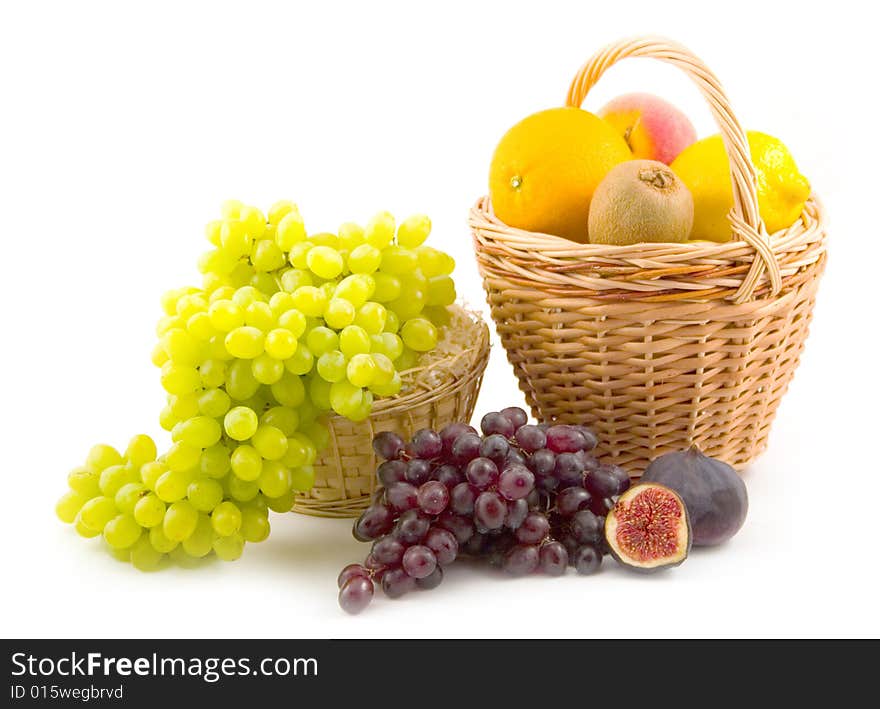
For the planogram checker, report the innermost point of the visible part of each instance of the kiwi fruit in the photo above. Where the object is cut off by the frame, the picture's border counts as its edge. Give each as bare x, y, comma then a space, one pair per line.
640, 201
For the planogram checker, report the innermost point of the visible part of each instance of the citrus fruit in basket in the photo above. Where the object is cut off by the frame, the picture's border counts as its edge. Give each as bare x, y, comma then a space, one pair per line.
546, 168
704, 168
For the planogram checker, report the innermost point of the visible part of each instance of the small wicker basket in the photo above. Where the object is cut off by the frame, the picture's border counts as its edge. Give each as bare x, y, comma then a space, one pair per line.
439, 393
658, 346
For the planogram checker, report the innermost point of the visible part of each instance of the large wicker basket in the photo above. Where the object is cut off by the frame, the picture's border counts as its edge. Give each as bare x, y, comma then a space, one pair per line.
438, 394
658, 346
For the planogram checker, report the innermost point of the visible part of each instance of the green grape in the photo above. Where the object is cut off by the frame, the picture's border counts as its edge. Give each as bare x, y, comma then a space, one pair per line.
246, 463
300, 362
214, 403
281, 343
254, 524
216, 349
198, 432
185, 406
265, 283
300, 451
282, 504
319, 391
115, 477
410, 302
408, 359
171, 486
322, 339
391, 388
354, 340
226, 518
200, 328
212, 231
419, 334
310, 300
85, 482
82, 529
158, 356
122, 531
123, 555
388, 288
180, 520
234, 240
127, 496
231, 209
291, 231
392, 322
253, 220
298, 253
356, 288
182, 456
413, 231
240, 423
167, 419
69, 505
213, 281
102, 456
260, 316
399, 261
351, 235
217, 261
324, 261
151, 472
293, 321
362, 412
168, 300
242, 490
241, 383
294, 278
345, 398
191, 304
325, 238
245, 342
433, 262
284, 418
241, 275
274, 479
200, 543
143, 557
385, 370
281, 302
339, 313
169, 322
204, 494
281, 209
149, 511
437, 314
267, 370
371, 317
95, 513
270, 442
379, 231
225, 315
214, 462
179, 379
289, 390
228, 548
160, 541
302, 479
364, 259
331, 366
441, 291
245, 295
141, 449
222, 293
361, 370
319, 434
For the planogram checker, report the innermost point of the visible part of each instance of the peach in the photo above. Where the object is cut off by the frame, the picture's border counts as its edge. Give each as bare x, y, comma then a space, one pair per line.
653, 128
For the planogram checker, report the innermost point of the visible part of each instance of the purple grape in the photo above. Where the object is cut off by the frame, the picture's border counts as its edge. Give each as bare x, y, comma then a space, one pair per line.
448, 475
589, 437
356, 594
426, 443
534, 529
496, 422
571, 545
590, 462
397, 582
569, 470
433, 497
516, 482
475, 545
490, 510
462, 498
465, 448
443, 543
547, 485
388, 551
516, 513
515, 415
374, 522
431, 581
372, 563
495, 448
585, 527
419, 561
544, 426
391, 471
601, 506
481, 473
388, 445
565, 439
453, 431
411, 527
402, 496
496, 549
418, 471
542, 462
623, 479
553, 558
587, 559
531, 438
572, 499
349, 572
461, 527
522, 559
606, 481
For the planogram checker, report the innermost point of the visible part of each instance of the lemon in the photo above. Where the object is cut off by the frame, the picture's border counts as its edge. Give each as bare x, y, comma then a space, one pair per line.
703, 167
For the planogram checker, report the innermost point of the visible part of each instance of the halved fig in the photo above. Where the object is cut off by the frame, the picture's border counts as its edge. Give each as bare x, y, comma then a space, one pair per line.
648, 528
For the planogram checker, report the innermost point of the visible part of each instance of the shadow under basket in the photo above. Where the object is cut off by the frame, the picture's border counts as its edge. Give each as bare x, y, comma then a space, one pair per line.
436, 394
658, 346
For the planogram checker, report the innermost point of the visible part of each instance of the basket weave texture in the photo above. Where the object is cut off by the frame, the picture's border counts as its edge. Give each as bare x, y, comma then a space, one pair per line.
658, 346
442, 392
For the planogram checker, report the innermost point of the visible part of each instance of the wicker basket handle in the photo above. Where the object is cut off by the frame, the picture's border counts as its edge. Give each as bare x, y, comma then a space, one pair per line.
744, 217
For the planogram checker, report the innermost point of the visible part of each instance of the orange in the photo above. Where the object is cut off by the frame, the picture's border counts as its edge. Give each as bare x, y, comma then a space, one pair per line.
546, 168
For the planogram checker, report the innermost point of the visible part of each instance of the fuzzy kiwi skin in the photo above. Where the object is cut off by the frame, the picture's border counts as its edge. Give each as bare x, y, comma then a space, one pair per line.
640, 201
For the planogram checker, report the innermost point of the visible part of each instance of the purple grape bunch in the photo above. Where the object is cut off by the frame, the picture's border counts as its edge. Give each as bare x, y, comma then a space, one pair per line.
524, 497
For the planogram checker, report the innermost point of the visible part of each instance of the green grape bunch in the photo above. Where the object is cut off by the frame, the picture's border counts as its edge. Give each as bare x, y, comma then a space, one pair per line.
287, 328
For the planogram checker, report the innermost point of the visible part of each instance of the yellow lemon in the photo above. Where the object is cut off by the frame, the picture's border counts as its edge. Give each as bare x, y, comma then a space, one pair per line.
703, 167
546, 168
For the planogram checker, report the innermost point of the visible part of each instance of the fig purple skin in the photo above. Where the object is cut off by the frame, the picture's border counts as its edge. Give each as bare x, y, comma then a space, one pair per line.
713, 492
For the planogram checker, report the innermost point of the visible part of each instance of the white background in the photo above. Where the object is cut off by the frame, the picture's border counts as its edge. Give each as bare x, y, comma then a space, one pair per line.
122, 128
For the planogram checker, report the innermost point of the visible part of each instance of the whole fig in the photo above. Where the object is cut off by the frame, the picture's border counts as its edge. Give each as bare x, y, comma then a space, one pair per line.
712, 490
